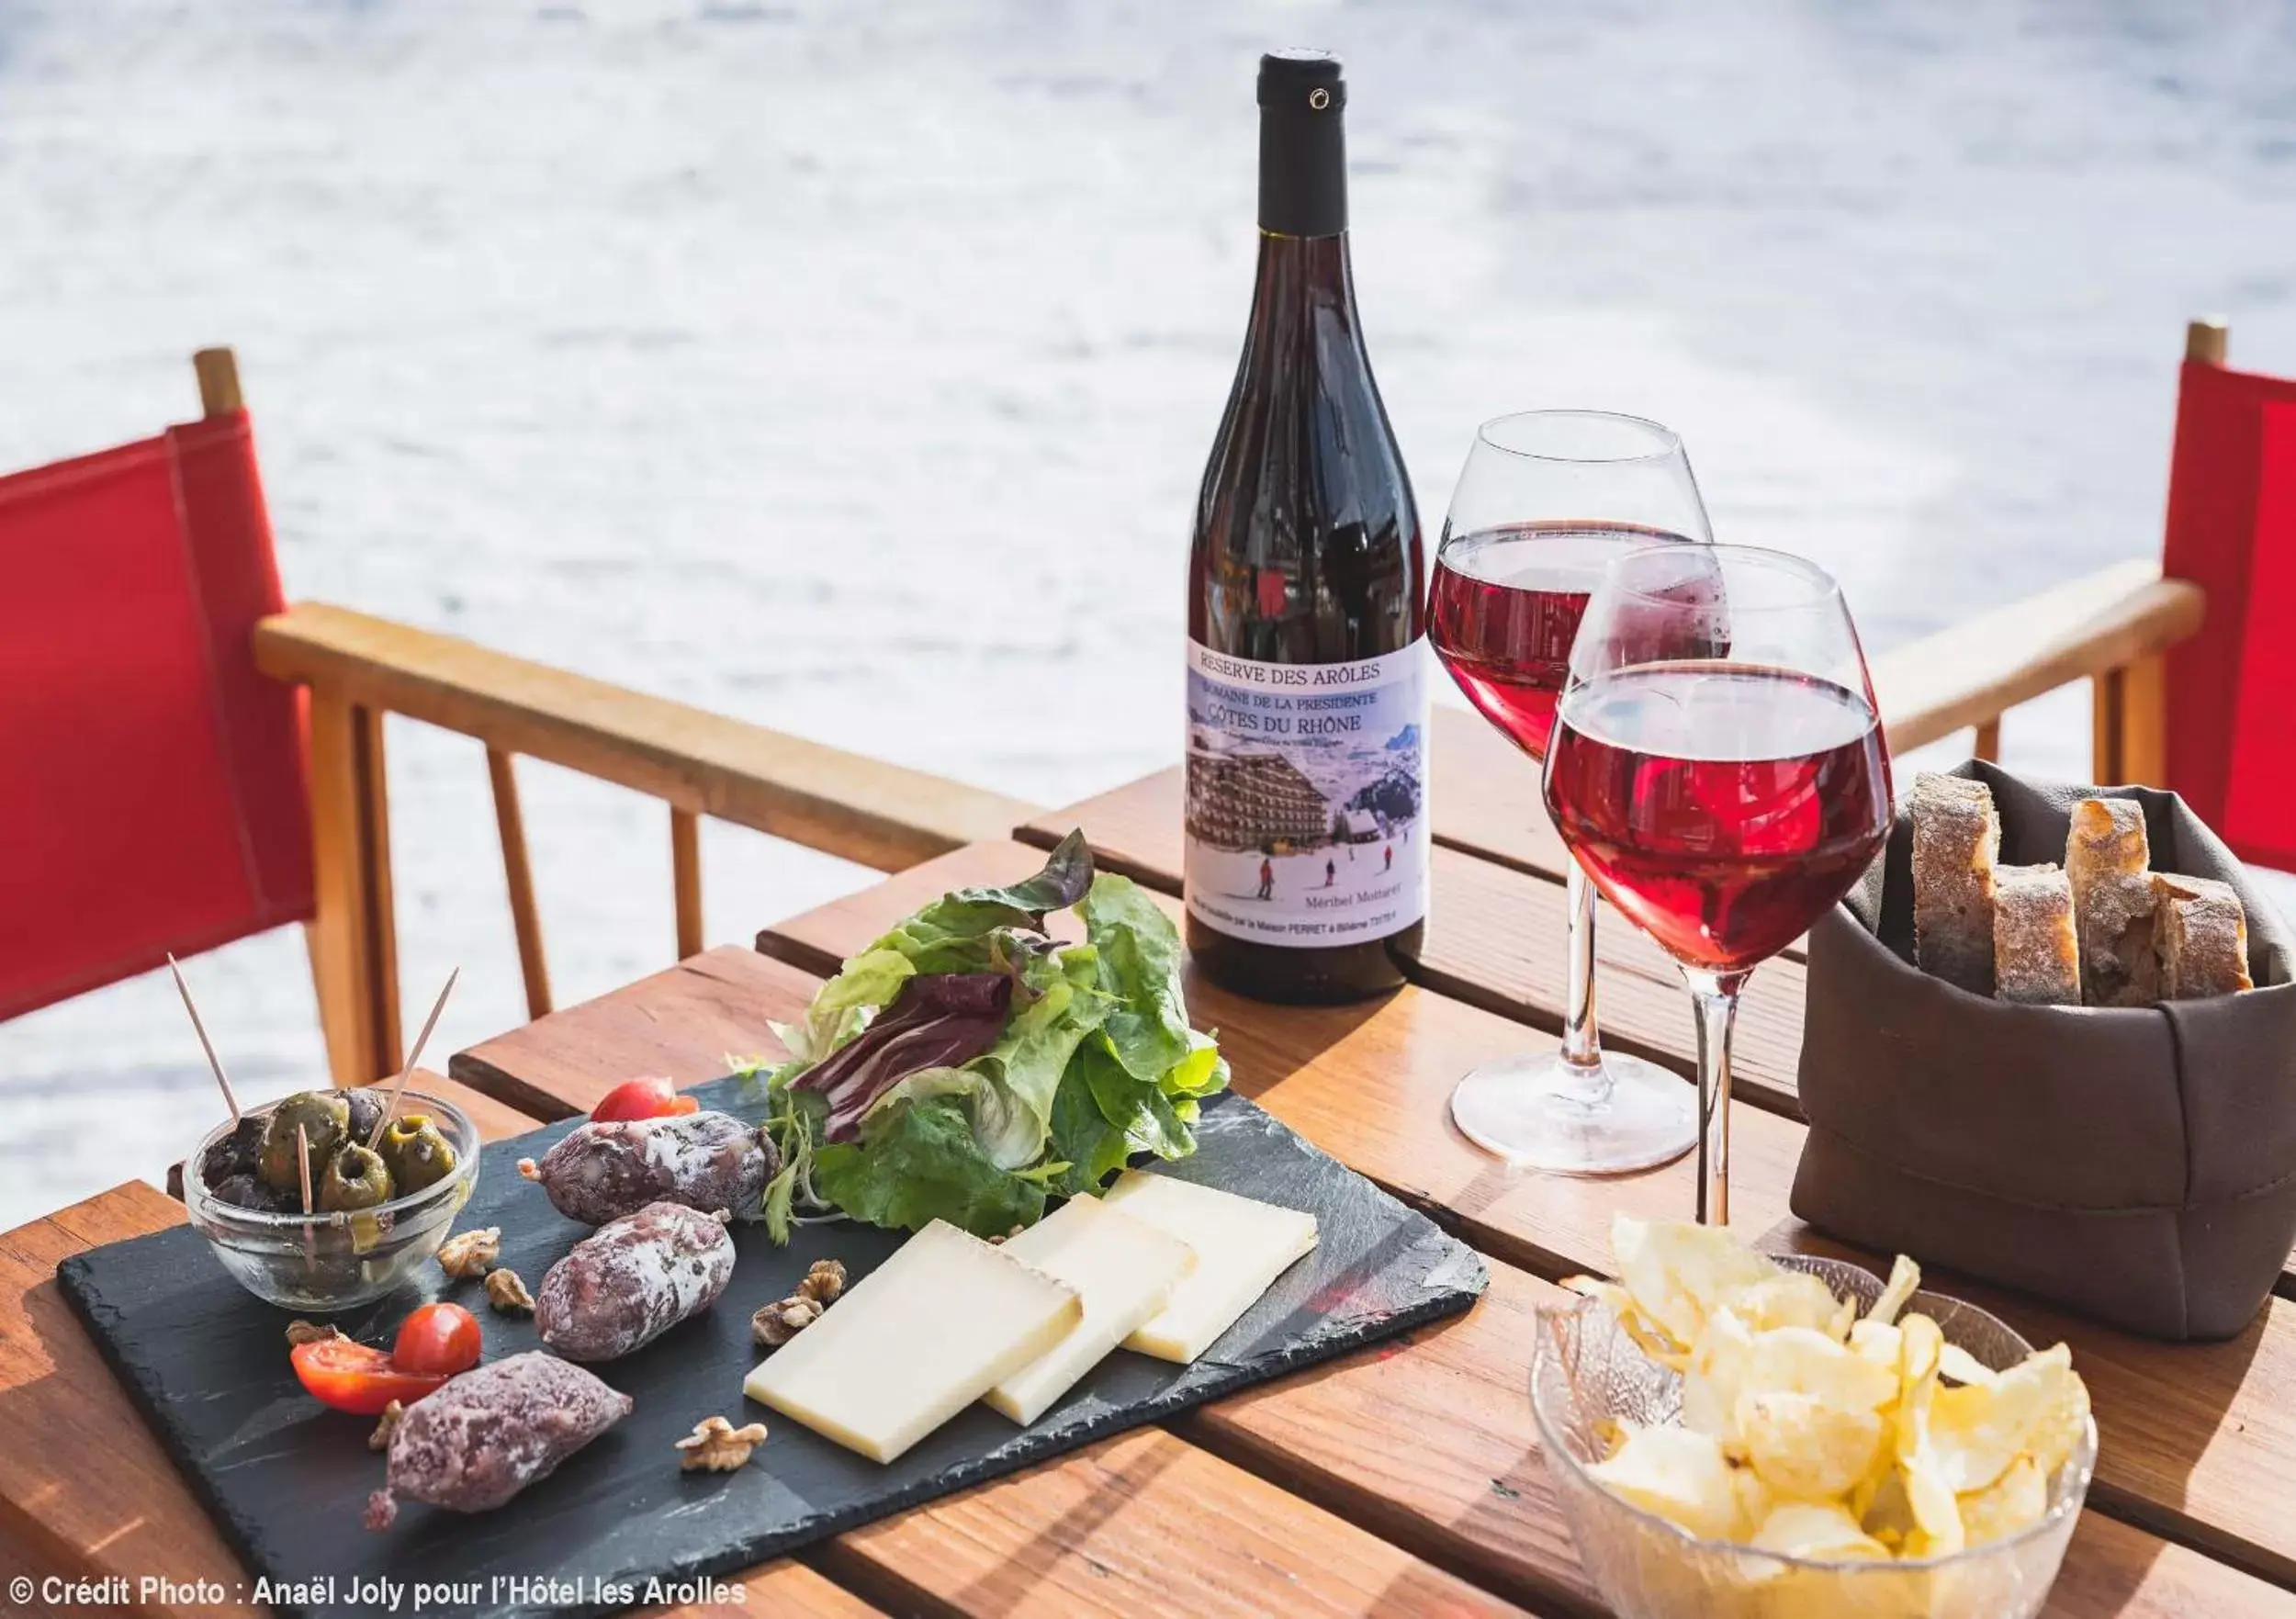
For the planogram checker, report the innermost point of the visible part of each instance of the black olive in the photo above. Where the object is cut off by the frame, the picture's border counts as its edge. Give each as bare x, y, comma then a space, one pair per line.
242, 1191
234, 1153
367, 1111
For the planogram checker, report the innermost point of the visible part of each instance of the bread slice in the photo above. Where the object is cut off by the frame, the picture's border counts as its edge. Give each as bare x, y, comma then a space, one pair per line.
2201, 934
1956, 841
2036, 952
2108, 858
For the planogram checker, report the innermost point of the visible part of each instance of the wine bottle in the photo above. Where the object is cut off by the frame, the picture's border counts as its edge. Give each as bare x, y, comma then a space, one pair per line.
1307, 688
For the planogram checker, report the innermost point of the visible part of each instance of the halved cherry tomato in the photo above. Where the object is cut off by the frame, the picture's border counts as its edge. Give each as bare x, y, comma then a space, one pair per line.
652, 1096
442, 1338
353, 1377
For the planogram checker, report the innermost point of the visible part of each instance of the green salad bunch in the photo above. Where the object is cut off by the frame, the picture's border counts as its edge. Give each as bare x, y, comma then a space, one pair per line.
967, 1066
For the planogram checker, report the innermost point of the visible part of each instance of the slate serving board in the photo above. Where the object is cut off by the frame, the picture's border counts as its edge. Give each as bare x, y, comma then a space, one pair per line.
288, 1480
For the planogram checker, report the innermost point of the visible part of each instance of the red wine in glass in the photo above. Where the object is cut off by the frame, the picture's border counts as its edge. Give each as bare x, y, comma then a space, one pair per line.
1722, 806
1506, 606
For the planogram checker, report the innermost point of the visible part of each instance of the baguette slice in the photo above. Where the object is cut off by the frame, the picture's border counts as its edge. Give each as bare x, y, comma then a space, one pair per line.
2202, 935
2108, 858
2036, 951
1956, 841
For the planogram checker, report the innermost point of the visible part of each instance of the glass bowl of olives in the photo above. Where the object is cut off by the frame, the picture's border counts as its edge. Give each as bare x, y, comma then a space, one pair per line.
377, 1214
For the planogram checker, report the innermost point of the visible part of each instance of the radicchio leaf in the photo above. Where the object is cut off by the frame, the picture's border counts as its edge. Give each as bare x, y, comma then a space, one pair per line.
938, 1020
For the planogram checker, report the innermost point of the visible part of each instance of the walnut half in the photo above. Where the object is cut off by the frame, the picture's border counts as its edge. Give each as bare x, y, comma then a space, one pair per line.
508, 1294
783, 1318
825, 1279
717, 1446
471, 1253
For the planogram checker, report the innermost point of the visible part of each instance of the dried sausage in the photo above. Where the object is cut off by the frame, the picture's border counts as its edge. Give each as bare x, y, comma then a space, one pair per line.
632, 1280
492, 1432
707, 1161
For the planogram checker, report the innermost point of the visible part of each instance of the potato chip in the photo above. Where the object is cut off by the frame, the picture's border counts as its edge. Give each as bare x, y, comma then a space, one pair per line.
1956, 1365
1714, 1374
1881, 1508
2064, 1429
1678, 1272
1805, 1449
2018, 1498
1976, 1432
1905, 1281
1929, 1491
1790, 1298
1823, 1530
1636, 1325
1677, 1474
1801, 1360
1877, 1342
1754, 1500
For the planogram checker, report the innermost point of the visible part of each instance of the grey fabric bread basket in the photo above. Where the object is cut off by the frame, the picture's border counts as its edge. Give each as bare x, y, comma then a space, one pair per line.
2137, 1165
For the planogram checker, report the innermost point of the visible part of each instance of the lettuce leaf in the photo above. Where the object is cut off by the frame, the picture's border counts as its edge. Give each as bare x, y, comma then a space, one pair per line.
1139, 952
1095, 1060
919, 1162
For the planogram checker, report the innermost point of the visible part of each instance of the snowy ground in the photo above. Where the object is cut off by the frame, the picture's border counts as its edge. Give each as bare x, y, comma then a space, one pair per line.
850, 367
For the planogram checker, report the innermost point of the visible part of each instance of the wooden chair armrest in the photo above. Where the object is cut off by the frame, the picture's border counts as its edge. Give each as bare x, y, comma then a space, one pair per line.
879, 815
1974, 672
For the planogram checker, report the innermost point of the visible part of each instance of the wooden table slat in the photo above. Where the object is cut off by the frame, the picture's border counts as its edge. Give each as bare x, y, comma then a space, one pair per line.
2198, 1439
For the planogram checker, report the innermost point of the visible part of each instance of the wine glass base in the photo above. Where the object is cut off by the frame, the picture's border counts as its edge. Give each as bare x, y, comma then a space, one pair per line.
1536, 1112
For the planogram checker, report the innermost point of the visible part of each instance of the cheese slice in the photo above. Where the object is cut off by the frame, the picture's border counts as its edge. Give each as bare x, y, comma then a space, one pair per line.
914, 1341
1125, 1268
1241, 1246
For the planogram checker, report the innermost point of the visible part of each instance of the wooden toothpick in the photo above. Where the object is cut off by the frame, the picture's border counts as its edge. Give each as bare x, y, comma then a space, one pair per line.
303, 1161
206, 1044
391, 1105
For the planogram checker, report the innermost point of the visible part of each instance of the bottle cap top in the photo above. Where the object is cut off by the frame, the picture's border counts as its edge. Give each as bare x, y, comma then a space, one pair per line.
1309, 79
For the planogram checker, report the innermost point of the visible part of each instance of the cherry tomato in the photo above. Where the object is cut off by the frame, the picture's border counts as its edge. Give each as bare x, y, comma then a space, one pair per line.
652, 1096
440, 1339
353, 1377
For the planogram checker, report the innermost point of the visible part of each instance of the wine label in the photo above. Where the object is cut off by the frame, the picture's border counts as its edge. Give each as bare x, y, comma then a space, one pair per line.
1307, 797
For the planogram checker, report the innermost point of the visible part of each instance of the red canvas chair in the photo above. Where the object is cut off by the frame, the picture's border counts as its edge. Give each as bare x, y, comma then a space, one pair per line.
2230, 715
153, 796
2192, 659
182, 763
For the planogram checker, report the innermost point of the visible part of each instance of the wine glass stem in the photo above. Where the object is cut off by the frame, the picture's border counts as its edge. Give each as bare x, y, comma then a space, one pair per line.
1582, 1044
1715, 996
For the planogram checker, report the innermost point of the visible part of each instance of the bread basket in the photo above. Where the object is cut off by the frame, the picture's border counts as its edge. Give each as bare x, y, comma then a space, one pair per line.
2137, 1165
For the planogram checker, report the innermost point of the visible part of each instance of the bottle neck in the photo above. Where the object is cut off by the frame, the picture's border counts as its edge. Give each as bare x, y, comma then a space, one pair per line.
1305, 290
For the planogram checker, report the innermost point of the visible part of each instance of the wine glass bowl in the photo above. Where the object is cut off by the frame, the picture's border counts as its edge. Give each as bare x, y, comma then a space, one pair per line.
1548, 499
1719, 769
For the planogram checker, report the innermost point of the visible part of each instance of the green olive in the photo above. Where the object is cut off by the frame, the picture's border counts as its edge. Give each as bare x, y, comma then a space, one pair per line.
417, 1153
326, 1121
357, 1178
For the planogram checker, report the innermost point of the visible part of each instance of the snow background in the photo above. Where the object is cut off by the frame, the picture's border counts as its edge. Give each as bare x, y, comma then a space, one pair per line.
850, 367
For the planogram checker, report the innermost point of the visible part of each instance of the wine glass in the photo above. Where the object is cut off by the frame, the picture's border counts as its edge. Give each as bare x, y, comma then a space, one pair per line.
1546, 500
1719, 769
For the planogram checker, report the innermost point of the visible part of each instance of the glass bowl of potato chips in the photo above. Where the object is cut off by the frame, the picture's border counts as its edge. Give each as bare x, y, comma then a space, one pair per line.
1735, 1433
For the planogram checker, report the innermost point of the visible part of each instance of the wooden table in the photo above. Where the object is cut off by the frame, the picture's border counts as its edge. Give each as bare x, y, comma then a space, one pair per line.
1406, 1480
